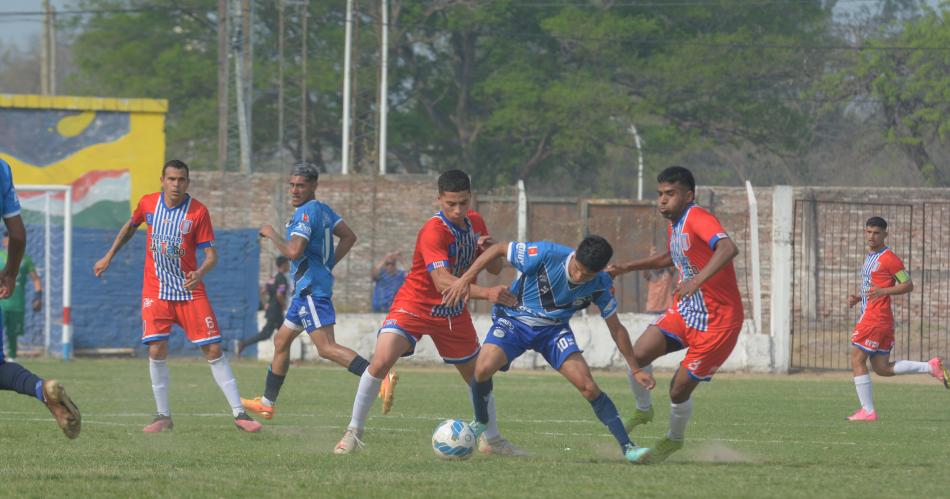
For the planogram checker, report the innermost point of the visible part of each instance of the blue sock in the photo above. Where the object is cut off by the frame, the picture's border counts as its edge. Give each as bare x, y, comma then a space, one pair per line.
272, 385
607, 413
17, 378
480, 392
357, 366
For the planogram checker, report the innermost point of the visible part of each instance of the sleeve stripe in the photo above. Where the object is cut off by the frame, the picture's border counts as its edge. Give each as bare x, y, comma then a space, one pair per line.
295, 233
206, 244
437, 265
11, 215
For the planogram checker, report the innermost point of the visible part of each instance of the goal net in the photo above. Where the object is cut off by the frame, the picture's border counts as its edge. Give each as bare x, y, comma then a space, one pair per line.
47, 213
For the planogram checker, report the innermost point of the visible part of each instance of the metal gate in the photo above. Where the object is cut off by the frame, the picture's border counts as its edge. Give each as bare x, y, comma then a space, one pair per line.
931, 296
828, 251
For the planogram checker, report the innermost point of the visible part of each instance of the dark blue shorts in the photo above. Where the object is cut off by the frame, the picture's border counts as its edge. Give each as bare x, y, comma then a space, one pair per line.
554, 343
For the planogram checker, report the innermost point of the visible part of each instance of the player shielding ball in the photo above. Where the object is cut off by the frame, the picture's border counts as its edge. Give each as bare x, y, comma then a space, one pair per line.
13, 376
177, 225
308, 243
445, 248
555, 283
706, 317
882, 276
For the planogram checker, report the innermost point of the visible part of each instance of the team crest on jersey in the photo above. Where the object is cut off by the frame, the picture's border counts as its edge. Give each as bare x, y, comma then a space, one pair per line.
148, 218
305, 218
683, 241
876, 266
185, 226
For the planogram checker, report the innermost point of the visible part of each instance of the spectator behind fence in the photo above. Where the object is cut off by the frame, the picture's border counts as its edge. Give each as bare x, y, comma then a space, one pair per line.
660, 284
274, 296
388, 278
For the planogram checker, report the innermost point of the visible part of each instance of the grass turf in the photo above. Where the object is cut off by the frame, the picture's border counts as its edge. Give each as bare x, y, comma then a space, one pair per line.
750, 436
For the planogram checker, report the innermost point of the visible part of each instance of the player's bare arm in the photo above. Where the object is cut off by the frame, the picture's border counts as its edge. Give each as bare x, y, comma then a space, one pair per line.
125, 235
853, 300
443, 279
292, 249
621, 338
347, 240
725, 251
657, 261
194, 277
494, 267
460, 289
898, 289
15, 248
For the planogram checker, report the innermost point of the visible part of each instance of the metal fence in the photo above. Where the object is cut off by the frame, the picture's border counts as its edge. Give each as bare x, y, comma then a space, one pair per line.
829, 250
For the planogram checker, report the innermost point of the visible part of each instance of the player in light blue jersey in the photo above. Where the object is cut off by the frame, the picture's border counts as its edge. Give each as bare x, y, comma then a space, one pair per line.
555, 283
309, 246
13, 376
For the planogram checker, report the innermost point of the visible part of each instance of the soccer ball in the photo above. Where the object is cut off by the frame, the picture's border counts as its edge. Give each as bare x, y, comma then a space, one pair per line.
453, 440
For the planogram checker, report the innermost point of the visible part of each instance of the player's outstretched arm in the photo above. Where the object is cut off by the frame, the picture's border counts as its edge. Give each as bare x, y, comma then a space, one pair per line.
459, 289
657, 261
125, 235
347, 240
725, 251
622, 339
17, 245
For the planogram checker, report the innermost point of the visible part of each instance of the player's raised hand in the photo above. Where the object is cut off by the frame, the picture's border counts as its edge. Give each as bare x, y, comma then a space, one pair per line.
501, 295
614, 270
853, 300
100, 267
456, 293
194, 277
7, 283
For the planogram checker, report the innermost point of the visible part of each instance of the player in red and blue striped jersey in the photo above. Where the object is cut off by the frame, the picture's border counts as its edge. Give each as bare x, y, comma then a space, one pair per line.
883, 275
177, 225
308, 243
446, 246
706, 317
13, 376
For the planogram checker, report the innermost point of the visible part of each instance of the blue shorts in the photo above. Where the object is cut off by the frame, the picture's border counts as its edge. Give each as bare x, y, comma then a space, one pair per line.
554, 343
308, 313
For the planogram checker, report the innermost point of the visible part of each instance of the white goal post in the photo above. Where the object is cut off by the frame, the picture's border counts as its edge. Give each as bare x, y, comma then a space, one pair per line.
67, 214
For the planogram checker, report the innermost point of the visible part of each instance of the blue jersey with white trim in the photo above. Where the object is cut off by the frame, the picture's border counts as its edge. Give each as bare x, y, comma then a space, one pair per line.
313, 221
545, 294
9, 202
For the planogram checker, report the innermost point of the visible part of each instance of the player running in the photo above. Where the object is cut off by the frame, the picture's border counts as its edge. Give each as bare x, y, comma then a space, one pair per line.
882, 276
706, 317
177, 225
445, 248
13, 376
555, 283
309, 246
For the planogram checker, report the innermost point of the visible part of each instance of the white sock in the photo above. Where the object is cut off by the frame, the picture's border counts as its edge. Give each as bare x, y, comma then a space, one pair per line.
266, 401
221, 371
679, 416
365, 396
911, 367
491, 429
644, 400
863, 385
158, 371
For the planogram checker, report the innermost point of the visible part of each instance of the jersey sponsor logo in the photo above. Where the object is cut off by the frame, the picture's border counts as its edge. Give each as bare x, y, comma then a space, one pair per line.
390, 323
520, 253
532, 250
498, 332
165, 245
694, 365
722, 235
303, 311
437, 265
185, 226
147, 302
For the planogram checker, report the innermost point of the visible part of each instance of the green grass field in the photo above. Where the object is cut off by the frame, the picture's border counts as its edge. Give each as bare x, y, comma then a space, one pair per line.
750, 436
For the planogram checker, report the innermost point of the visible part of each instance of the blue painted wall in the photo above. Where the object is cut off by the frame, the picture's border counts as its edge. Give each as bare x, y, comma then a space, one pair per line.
106, 312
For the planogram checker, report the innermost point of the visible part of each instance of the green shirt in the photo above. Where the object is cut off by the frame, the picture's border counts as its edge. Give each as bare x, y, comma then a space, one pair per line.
16, 301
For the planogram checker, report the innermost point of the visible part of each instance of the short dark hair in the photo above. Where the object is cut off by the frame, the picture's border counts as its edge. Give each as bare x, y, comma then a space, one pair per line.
306, 170
876, 222
677, 175
176, 164
280, 260
454, 181
594, 252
